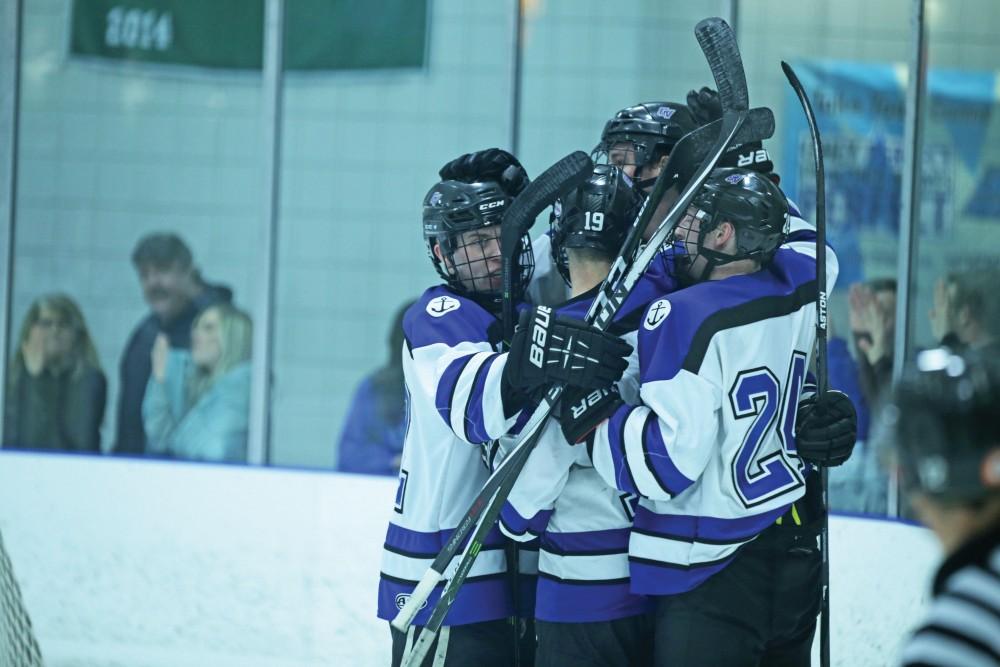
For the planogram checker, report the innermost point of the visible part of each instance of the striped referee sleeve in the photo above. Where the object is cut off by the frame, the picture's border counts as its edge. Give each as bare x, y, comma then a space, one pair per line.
963, 626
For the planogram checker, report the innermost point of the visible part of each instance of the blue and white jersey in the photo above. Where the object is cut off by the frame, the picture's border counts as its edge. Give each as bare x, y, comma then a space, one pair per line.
583, 568
452, 373
711, 450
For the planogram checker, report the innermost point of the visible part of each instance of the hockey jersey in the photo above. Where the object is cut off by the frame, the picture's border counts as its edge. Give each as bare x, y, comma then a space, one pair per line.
452, 372
711, 450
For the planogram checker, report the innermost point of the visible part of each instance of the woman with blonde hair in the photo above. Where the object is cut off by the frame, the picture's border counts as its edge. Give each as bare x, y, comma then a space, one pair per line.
197, 403
56, 391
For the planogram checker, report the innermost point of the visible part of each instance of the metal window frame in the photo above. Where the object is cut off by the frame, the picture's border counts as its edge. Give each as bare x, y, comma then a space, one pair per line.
10, 57
261, 385
909, 213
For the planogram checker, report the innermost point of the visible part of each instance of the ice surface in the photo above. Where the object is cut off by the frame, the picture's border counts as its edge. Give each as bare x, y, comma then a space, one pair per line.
143, 564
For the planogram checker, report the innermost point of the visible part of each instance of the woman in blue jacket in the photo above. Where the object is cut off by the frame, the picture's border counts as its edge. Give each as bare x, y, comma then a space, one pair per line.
197, 403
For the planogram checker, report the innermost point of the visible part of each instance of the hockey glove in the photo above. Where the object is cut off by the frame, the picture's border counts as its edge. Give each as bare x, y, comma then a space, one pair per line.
826, 429
491, 164
548, 348
583, 410
705, 105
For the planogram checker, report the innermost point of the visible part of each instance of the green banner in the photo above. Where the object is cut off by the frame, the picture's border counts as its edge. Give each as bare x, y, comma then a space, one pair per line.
355, 34
229, 34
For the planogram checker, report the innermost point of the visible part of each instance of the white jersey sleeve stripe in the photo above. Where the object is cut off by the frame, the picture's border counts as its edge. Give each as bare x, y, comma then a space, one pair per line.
595, 568
686, 553
658, 457
399, 566
463, 370
658, 454
636, 458
608, 452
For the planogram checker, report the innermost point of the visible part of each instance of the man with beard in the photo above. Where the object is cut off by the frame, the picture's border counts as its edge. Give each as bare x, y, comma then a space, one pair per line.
176, 294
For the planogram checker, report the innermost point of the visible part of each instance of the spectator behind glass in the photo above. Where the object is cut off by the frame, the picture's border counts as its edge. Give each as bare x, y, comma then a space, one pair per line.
966, 311
873, 324
860, 485
372, 438
56, 390
197, 404
173, 288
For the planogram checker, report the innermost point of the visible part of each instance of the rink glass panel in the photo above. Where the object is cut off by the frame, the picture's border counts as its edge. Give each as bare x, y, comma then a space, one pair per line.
958, 225
110, 151
360, 151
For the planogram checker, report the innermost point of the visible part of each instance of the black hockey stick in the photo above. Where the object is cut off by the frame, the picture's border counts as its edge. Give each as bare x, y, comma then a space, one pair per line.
554, 182
613, 293
822, 376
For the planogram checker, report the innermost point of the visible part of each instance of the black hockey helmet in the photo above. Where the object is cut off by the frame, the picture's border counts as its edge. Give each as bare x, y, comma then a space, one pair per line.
652, 129
470, 263
598, 215
751, 202
940, 427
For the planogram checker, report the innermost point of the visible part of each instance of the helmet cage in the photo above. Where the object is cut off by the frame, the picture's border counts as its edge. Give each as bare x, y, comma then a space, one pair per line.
451, 211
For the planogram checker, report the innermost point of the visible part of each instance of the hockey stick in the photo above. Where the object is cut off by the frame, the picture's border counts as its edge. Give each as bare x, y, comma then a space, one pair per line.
623, 277
822, 376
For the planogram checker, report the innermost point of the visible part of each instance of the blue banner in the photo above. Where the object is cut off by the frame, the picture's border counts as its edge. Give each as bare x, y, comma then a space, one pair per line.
860, 110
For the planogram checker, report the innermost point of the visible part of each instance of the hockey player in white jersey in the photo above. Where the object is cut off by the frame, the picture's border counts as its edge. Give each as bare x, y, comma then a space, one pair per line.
585, 613
711, 449
463, 392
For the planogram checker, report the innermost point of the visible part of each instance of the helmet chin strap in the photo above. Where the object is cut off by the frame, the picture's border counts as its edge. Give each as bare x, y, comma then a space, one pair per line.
644, 184
713, 258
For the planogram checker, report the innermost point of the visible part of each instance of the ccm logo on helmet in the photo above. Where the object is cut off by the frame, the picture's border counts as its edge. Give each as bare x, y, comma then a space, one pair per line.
492, 204
538, 335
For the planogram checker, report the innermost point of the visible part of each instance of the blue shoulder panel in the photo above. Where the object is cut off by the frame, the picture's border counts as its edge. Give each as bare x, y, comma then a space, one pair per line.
442, 316
675, 330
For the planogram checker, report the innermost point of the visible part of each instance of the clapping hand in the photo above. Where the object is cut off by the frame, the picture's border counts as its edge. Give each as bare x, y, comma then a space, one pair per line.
161, 348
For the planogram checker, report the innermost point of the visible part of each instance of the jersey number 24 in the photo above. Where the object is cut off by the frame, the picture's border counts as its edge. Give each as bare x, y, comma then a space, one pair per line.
762, 472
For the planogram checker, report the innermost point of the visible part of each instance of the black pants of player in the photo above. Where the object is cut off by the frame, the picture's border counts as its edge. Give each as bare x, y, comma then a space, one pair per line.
760, 611
487, 644
624, 642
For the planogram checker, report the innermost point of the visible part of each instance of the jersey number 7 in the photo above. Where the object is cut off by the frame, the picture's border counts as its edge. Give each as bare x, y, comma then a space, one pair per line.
762, 472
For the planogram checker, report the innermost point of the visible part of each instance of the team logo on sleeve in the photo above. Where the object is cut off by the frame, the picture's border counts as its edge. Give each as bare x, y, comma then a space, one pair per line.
442, 305
656, 314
